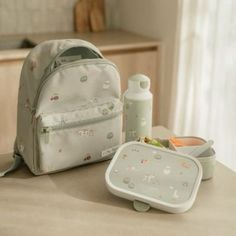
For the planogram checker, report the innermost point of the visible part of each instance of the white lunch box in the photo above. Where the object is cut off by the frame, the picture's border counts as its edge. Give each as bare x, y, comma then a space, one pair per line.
154, 177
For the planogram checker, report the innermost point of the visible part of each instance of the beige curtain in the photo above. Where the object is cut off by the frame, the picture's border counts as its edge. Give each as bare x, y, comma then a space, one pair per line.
204, 101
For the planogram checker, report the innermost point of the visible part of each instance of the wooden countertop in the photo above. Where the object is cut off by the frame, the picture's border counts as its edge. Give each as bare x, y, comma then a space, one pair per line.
105, 41
77, 202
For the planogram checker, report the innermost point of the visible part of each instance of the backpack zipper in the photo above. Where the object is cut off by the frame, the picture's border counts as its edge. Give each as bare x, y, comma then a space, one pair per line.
46, 130
46, 77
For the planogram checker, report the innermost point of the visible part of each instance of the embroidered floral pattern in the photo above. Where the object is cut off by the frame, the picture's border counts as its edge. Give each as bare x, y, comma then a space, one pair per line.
83, 78
106, 84
33, 65
27, 103
86, 132
87, 157
54, 97
110, 135
144, 161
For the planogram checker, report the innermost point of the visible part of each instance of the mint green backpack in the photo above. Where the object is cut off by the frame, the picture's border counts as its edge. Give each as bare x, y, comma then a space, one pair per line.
69, 109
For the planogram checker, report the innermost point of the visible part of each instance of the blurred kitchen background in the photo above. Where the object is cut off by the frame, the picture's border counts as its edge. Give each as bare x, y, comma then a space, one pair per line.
45, 16
187, 48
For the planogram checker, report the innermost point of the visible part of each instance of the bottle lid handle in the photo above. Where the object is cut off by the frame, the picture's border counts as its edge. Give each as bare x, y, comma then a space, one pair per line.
139, 83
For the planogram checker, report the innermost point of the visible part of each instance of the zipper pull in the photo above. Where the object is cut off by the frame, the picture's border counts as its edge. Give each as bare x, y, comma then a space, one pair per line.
46, 132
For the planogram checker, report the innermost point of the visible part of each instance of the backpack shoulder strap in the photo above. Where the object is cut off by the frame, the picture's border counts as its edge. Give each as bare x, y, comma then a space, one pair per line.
17, 160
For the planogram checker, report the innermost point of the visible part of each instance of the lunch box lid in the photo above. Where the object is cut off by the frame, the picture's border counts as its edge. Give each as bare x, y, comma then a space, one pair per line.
155, 177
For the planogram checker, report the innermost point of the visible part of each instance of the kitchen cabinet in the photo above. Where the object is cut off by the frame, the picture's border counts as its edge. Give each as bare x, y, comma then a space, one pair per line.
130, 52
9, 82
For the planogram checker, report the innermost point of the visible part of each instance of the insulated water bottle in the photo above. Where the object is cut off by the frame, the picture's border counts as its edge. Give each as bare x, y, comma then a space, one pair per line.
138, 108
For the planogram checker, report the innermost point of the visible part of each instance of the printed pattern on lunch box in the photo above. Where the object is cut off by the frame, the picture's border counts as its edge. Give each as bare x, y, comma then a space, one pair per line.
69, 109
154, 176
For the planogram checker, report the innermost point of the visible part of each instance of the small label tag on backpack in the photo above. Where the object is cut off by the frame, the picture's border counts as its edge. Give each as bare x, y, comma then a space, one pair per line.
66, 59
109, 151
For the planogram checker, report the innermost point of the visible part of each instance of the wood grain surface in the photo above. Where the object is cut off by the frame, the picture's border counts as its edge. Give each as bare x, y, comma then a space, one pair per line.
77, 202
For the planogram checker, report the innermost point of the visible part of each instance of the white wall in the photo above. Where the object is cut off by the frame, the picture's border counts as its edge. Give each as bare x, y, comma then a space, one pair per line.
36, 16
156, 19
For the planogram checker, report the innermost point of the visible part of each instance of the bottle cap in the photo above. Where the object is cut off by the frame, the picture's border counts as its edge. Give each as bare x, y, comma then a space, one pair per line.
138, 83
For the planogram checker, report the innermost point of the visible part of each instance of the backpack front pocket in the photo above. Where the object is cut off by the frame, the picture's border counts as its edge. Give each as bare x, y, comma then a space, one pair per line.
78, 137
